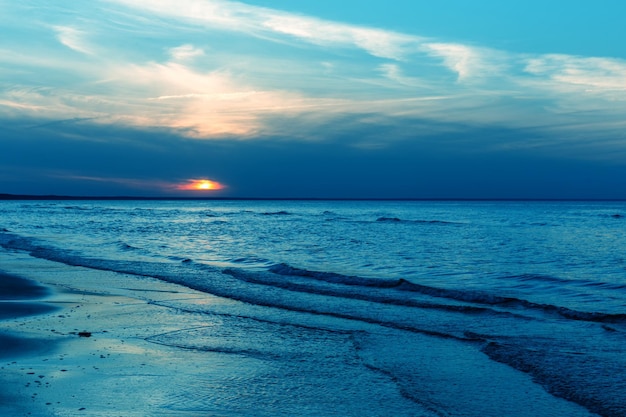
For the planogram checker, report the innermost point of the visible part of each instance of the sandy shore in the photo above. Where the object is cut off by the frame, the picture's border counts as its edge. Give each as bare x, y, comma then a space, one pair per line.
81, 342
71, 347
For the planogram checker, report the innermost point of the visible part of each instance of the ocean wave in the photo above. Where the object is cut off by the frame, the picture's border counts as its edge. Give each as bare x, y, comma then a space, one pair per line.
284, 269
264, 289
381, 291
353, 291
603, 285
388, 219
537, 278
126, 247
497, 300
217, 222
79, 208
398, 220
565, 374
250, 260
276, 213
477, 297
542, 279
528, 310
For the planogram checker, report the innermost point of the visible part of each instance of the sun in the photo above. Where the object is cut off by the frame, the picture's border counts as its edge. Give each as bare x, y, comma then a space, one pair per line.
205, 185
200, 185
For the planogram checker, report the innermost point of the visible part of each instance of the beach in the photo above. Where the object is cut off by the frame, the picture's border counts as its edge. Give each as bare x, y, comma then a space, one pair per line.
82, 350
75, 349
311, 309
100, 343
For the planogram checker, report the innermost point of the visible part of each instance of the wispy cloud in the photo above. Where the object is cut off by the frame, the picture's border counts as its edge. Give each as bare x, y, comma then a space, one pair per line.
185, 52
265, 22
19, 106
205, 90
394, 73
73, 39
205, 105
601, 74
466, 61
148, 185
379, 43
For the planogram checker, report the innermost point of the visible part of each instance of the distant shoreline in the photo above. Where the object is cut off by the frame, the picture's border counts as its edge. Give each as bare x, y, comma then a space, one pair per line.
28, 197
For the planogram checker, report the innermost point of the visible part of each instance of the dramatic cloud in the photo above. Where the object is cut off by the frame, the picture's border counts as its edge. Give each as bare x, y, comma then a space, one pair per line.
232, 72
207, 96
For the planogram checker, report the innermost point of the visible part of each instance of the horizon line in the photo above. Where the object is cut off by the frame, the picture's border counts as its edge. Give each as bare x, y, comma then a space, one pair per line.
51, 197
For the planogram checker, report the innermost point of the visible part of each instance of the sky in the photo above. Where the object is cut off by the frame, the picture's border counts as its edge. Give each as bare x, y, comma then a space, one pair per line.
313, 98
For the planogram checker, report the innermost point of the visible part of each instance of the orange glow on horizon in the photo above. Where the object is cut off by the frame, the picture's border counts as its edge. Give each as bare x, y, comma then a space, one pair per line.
200, 185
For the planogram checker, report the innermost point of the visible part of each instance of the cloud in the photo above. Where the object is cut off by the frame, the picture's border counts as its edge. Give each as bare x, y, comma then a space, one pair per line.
73, 39
379, 43
148, 185
205, 105
47, 103
394, 73
591, 73
264, 22
124, 182
169, 95
20, 106
176, 76
464, 60
185, 52
140, 162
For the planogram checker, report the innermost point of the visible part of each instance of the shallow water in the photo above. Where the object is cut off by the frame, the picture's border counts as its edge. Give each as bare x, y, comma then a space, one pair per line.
421, 308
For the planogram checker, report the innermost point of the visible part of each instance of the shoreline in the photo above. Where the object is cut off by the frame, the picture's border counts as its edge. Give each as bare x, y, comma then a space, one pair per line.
128, 345
84, 349
21, 299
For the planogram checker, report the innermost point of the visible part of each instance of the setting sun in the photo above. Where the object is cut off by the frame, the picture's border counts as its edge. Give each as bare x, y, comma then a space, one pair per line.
205, 185
200, 185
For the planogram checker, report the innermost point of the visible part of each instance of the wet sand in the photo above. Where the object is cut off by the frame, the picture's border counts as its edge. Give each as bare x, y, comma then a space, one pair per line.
70, 350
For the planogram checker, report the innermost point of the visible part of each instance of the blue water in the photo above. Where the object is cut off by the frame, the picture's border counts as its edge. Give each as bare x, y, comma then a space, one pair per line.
538, 288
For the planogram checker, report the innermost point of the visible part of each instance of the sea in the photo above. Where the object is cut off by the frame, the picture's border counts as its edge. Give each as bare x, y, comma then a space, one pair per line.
375, 308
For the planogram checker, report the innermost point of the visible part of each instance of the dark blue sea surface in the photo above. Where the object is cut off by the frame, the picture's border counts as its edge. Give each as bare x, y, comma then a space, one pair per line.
437, 298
